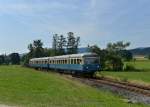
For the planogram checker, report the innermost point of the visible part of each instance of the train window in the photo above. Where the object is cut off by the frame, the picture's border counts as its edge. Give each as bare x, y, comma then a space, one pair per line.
45, 62
68, 61
79, 61
65, 61
71, 61
91, 60
75, 61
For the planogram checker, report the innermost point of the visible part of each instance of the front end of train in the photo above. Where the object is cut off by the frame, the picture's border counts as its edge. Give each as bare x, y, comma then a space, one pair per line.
91, 64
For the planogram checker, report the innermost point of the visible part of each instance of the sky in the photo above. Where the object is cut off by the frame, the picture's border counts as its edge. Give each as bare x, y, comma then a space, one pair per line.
95, 21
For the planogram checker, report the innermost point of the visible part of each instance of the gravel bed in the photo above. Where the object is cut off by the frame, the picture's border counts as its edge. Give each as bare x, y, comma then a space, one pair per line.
128, 96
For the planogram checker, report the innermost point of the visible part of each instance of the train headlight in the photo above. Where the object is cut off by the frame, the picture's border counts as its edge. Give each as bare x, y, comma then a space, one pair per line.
98, 66
87, 67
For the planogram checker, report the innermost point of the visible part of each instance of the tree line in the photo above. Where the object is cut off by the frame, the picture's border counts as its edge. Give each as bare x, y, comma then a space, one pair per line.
13, 58
111, 58
61, 45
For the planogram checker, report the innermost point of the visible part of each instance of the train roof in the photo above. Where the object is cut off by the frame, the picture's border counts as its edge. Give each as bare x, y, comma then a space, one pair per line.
66, 56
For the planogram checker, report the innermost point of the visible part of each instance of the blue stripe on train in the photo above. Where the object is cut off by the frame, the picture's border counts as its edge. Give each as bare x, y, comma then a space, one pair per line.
75, 67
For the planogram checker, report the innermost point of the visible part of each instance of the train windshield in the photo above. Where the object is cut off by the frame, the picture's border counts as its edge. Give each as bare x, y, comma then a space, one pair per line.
91, 60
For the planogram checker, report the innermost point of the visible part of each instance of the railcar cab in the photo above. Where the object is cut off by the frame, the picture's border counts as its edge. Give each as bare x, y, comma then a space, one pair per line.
91, 62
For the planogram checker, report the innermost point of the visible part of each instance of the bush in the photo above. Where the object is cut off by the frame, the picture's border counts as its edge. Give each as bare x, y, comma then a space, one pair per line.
114, 63
129, 68
149, 57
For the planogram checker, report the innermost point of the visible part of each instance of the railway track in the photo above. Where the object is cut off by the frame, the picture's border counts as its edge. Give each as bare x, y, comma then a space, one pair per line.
140, 89
144, 90
128, 86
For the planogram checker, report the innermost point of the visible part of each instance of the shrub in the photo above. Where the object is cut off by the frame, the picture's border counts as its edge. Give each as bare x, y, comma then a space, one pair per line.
129, 68
149, 57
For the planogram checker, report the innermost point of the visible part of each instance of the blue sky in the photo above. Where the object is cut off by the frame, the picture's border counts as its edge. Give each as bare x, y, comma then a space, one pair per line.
95, 21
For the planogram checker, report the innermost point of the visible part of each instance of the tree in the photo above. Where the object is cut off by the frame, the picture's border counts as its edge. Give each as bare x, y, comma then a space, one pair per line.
112, 57
2, 59
61, 45
36, 50
126, 55
48, 52
6, 59
149, 57
114, 62
72, 43
118, 46
115, 58
14, 58
55, 44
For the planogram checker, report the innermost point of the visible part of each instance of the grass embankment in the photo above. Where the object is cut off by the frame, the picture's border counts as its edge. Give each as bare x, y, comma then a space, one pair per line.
26, 87
141, 76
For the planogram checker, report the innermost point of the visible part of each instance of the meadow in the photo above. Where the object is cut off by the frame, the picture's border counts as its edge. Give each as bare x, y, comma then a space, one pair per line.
25, 87
141, 75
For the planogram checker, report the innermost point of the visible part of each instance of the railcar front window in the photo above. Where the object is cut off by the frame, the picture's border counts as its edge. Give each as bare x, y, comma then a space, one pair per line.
91, 60
79, 61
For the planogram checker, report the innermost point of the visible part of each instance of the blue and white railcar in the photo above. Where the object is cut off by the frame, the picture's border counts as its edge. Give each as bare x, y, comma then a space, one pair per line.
75, 63
39, 62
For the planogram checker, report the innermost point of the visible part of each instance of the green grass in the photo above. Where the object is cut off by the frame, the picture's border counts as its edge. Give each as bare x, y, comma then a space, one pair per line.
142, 76
26, 87
140, 64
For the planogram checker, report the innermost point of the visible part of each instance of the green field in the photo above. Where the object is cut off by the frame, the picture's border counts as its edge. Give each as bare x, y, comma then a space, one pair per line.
143, 75
29, 88
141, 64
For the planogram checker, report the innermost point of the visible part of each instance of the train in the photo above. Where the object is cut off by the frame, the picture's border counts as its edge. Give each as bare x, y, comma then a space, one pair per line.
83, 63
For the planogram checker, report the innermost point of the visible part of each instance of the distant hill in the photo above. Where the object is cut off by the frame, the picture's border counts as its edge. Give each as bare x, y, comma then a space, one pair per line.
141, 51
137, 51
83, 50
